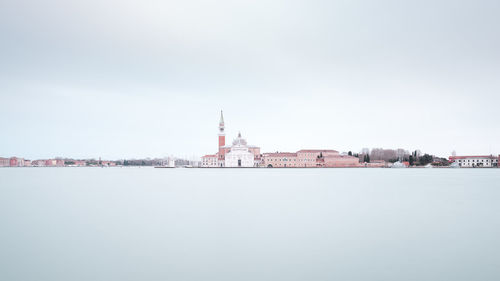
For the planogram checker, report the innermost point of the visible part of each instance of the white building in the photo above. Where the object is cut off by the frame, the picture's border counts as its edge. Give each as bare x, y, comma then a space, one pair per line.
209, 161
168, 162
239, 155
476, 161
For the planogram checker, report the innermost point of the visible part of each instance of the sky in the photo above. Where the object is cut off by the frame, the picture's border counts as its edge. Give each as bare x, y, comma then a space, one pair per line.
131, 79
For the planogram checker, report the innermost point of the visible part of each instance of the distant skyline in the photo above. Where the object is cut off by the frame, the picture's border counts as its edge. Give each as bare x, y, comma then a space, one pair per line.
132, 79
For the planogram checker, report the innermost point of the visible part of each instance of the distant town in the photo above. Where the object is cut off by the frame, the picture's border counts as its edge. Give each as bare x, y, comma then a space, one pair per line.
242, 155
69, 162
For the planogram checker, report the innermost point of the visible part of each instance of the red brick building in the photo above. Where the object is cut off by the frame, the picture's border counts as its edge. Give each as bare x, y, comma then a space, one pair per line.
309, 158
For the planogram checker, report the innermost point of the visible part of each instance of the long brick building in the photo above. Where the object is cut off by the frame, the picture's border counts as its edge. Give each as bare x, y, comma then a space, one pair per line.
309, 158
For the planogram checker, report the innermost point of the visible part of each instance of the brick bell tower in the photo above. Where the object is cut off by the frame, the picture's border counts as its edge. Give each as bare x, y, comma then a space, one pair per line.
222, 141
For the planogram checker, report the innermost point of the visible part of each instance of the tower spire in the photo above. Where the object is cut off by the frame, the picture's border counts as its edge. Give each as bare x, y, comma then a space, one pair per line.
221, 122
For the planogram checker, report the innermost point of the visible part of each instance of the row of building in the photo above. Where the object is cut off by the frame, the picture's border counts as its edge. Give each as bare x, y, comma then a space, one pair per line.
305, 158
21, 162
310, 158
241, 154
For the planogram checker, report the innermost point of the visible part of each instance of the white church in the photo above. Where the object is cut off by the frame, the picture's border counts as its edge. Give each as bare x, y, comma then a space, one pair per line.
237, 155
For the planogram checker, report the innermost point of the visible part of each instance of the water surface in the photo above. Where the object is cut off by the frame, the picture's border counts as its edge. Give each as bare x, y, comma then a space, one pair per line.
249, 224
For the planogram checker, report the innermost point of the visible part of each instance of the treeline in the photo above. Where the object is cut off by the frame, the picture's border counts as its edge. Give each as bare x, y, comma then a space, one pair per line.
415, 158
141, 162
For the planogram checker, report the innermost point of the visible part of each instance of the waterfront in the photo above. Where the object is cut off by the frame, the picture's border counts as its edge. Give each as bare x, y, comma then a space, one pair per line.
249, 224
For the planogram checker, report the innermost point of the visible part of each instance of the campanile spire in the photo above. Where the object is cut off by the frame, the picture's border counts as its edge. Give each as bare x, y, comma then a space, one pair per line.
221, 123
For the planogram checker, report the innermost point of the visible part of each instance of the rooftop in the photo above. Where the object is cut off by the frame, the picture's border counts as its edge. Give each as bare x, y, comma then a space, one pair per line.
474, 156
317, 150
209, 156
281, 154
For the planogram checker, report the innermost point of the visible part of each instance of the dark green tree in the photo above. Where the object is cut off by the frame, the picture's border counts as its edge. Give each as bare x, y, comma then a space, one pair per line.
425, 159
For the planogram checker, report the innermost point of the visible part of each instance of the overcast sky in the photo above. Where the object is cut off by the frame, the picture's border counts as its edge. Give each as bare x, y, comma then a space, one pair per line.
121, 79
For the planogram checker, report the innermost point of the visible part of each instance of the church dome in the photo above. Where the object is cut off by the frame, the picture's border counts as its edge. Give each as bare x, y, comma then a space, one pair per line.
239, 141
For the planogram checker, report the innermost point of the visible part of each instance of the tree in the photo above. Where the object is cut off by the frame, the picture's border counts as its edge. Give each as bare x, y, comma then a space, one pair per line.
349, 153
366, 158
425, 159
410, 159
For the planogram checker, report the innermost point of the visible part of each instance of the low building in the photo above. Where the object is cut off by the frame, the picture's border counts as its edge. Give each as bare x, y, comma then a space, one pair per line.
309, 158
280, 160
80, 163
16, 162
481, 161
209, 161
338, 161
4, 162
108, 163
69, 163
38, 163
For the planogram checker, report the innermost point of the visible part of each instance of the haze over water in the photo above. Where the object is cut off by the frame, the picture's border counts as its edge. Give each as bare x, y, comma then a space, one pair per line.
250, 224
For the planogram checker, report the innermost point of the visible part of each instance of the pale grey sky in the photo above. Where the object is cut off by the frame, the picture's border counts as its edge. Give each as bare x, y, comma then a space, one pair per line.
148, 78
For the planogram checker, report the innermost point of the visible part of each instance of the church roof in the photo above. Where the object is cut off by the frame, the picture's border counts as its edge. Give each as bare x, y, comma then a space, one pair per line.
239, 140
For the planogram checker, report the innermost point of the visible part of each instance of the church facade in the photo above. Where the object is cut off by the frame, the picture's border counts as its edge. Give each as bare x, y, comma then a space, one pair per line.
237, 155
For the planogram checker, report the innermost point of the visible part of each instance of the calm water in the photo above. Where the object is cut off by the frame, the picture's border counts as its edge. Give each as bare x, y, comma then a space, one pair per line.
264, 224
